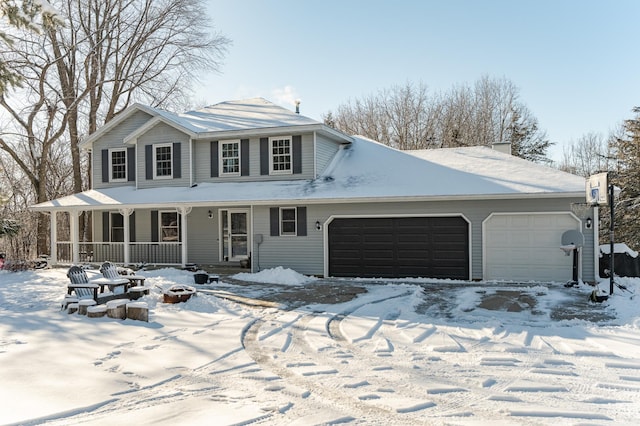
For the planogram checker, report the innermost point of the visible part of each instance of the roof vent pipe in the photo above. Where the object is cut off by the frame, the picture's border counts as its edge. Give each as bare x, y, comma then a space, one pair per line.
297, 106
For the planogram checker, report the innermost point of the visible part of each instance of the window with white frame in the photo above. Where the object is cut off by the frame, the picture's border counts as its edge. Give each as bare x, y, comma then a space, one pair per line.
118, 164
280, 160
169, 226
230, 157
162, 161
288, 220
116, 222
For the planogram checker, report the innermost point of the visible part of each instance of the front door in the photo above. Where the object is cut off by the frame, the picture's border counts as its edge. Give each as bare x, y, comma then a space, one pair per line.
235, 234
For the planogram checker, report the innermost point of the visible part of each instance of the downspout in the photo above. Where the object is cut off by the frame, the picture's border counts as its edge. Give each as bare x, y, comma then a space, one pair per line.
191, 162
315, 156
596, 244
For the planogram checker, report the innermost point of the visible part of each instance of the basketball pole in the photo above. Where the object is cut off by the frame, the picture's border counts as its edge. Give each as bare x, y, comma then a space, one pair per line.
612, 254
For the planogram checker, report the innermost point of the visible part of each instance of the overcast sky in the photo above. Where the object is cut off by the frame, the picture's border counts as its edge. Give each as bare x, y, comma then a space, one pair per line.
576, 63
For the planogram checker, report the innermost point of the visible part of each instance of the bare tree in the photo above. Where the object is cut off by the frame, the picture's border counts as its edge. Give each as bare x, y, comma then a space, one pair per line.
408, 117
78, 76
586, 155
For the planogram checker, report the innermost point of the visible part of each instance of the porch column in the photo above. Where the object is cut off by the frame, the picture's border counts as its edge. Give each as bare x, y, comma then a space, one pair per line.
53, 226
74, 230
184, 211
126, 215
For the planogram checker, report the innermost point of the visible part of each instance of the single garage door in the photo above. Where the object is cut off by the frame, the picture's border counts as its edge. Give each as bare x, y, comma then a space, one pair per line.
398, 247
526, 247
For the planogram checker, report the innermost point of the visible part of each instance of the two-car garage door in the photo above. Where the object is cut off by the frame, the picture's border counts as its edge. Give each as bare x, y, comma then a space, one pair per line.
526, 247
434, 247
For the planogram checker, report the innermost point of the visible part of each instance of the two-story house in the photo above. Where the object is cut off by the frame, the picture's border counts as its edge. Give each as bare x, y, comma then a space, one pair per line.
251, 179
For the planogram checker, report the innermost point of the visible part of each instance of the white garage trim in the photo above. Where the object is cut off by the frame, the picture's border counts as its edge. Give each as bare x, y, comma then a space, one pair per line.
551, 266
325, 232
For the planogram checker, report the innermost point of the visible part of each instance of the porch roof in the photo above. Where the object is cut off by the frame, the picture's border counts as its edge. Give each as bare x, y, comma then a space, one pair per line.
362, 171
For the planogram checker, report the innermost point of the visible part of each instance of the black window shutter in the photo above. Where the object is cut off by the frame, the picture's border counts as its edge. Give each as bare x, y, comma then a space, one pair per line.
177, 161
154, 225
214, 159
105, 165
264, 156
148, 161
296, 147
132, 227
301, 226
244, 157
105, 227
274, 219
131, 164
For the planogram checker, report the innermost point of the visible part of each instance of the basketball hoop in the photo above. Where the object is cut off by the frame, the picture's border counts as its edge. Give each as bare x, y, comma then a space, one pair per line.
582, 210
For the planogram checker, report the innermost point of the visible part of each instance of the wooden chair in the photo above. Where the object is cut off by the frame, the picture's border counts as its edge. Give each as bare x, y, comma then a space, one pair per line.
80, 284
117, 283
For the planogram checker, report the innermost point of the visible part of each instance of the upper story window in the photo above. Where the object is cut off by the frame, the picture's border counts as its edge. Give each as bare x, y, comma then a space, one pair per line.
230, 157
118, 165
162, 161
280, 158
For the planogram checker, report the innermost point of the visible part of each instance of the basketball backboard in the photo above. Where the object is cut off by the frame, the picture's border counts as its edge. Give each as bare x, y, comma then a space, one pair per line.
597, 189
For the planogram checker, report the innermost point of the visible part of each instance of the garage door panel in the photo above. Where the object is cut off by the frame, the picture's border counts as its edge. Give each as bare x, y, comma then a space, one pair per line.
435, 247
525, 247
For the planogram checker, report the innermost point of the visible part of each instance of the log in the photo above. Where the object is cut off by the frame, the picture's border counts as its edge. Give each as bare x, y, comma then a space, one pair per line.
96, 311
68, 299
117, 308
84, 304
137, 292
138, 311
72, 308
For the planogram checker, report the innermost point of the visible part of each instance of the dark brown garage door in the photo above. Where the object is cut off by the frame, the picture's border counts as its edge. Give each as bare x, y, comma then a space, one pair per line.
398, 247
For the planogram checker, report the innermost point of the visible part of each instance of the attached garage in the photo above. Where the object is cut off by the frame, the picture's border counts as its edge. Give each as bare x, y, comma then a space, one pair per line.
526, 247
398, 247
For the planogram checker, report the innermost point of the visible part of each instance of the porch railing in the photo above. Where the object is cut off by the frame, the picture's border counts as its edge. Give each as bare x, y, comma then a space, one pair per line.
154, 253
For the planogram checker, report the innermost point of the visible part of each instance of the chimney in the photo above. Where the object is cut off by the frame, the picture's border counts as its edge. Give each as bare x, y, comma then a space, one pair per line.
297, 106
504, 147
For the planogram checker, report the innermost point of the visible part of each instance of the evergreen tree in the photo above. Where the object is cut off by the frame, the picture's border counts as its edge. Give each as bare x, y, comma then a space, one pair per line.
16, 14
627, 178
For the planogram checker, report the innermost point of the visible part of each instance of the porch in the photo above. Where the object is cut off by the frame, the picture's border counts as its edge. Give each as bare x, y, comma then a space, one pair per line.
121, 253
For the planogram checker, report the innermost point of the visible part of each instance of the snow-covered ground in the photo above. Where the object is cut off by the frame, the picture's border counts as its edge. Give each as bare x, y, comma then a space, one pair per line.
404, 352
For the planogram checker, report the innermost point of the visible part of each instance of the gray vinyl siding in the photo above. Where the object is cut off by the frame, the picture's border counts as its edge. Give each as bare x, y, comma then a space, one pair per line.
203, 235
306, 254
163, 133
202, 162
325, 151
114, 139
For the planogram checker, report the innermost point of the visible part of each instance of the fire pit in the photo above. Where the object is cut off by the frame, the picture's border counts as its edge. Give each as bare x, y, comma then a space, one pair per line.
178, 293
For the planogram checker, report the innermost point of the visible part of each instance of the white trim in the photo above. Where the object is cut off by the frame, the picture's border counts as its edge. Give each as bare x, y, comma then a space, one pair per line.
596, 244
221, 172
295, 221
110, 165
300, 201
327, 222
221, 237
315, 156
484, 231
133, 136
280, 172
154, 151
115, 122
178, 225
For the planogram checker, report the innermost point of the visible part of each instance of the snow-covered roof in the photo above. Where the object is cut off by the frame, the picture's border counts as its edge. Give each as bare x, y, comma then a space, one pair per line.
229, 117
362, 171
